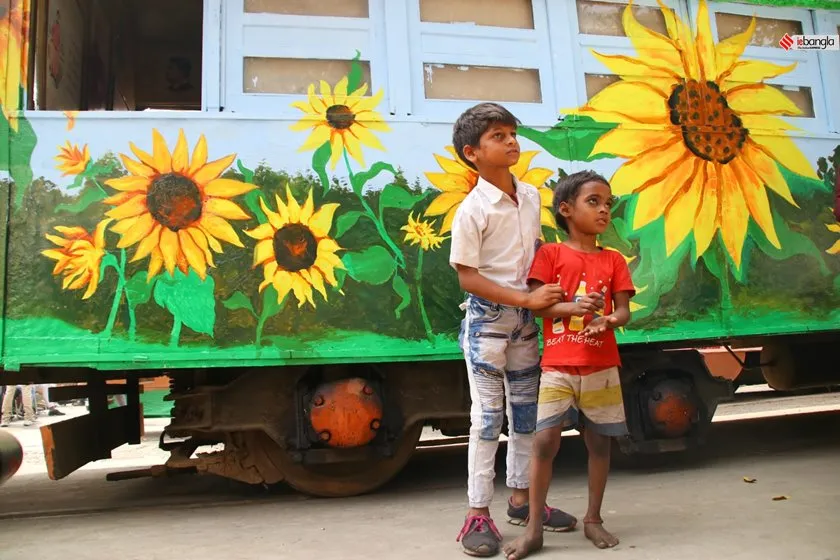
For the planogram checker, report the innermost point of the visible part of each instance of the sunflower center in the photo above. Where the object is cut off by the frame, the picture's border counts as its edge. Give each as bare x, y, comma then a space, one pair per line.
174, 201
295, 247
710, 129
340, 117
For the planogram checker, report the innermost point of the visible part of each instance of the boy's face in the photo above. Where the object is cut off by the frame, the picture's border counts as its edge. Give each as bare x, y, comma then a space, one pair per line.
497, 148
590, 212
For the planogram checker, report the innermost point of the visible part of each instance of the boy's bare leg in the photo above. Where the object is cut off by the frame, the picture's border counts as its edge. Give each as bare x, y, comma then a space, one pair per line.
546, 445
598, 447
519, 496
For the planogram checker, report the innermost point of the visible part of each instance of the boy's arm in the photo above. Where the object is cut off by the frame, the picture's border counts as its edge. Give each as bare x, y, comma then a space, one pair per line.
473, 282
565, 309
621, 309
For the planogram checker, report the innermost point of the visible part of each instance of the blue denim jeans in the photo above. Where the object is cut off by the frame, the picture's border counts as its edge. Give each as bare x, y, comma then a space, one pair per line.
501, 349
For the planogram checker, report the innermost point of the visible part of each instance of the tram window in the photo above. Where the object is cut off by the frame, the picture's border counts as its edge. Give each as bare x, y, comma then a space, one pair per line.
767, 32
116, 55
511, 13
335, 8
604, 18
294, 75
450, 81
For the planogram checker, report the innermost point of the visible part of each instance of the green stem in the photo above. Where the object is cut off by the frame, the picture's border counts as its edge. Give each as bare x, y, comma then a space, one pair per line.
259, 335
118, 293
725, 290
380, 226
418, 280
175, 335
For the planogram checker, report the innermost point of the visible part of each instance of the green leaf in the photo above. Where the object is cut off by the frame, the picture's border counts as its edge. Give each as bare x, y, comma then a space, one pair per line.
394, 196
354, 78
247, 174
16, 154
375, 265
360, 179
270, 305
137, 290
402, 290
803, 187
320, 159
188, 299
346, 221
91, 195
77, 182
237, 301
570, 140
108, 260
792, 242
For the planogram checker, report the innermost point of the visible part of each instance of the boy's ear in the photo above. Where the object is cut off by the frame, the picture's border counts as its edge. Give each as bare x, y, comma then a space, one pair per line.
469, 154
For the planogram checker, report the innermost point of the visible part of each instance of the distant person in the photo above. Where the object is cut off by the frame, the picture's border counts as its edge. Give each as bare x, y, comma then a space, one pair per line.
27, 396
494, 235
178, 74
580, 385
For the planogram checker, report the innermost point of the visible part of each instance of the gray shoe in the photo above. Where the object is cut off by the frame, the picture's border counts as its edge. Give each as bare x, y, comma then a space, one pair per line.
479, 536
554, 520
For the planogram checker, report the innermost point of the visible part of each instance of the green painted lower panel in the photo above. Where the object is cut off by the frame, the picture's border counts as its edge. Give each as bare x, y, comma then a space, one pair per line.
153, 404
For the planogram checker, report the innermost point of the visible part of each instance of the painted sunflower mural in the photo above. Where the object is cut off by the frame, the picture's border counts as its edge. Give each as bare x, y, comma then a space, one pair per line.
176, 209
78, 256
295, 249
458, 179
689, 134
72, 160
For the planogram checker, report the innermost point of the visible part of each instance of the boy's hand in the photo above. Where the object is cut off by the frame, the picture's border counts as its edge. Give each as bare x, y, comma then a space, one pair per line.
545, 296
590, 303
600, 325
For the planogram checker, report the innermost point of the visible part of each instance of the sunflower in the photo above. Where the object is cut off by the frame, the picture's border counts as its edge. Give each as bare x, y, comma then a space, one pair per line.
458, 179
422, 233
14, 30
174, 208
345, 121
295, 249
686, 108
72, 160
78, 257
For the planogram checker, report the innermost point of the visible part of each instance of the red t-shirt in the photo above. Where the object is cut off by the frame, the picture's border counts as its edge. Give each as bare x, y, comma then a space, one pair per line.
580, 274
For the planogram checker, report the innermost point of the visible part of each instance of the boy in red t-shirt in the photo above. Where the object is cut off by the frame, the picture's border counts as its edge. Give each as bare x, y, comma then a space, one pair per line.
580, 384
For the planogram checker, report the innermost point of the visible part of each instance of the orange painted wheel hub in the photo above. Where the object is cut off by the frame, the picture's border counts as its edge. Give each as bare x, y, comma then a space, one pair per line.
672, 410
346, 413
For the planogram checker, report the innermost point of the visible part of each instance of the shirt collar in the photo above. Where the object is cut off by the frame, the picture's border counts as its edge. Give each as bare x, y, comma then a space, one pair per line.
493, 193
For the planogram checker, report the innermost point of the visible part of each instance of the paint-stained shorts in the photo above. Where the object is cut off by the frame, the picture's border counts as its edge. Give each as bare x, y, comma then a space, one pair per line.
568, 399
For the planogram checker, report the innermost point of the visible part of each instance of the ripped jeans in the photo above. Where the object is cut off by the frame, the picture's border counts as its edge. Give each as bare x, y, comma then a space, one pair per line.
501, 348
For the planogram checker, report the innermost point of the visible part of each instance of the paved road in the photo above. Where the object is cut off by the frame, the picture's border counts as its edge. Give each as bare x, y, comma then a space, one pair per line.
695, 507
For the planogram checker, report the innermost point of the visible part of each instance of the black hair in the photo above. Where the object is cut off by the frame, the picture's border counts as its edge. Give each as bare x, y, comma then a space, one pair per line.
568, 189
474, 122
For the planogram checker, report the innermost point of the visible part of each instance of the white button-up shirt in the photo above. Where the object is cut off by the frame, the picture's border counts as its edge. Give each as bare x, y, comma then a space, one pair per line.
494, 235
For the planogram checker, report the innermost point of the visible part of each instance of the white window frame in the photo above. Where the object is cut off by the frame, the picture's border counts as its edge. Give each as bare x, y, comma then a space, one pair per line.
294, 36
582, 43
807, 71
478, 45
826, 24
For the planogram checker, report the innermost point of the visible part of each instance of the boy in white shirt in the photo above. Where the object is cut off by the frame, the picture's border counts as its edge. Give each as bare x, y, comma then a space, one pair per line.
494, 237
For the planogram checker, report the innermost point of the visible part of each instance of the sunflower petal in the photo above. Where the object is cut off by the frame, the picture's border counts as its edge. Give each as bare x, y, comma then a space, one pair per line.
705, 43
785, 151
227, 188
453, 166
193, 254
218, 227
308, 208
734, 215
137, 168
753, 71
163, 159
707, 220
317, 281
302, 290
340, 91
322, 220
650, 44
680, 214
148, 244
767, 169
291, 205
629, 143
181, 154
728, 51
753, 191
129, 183
649, 105
337, 147
132, 207
449, 182
443, 202
263, 252
536, 177
214, 169
145, 157
671, 183
225, 208
760, 99
199, 157
263, 231
354, 148
634, 68
446, 226
201, 242
142, 227
155, 264
650, 164
169, 248
282, 283
320, 135
275, 221
366, 137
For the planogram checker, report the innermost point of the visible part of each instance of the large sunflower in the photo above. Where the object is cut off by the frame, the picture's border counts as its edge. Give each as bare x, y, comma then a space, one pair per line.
14, 31
687, 110
174, 208
345, 121
295, 249
78, 256
458, 179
